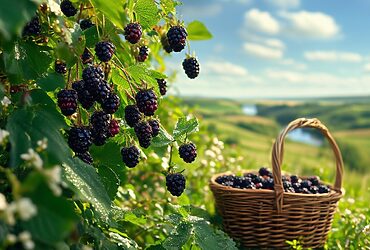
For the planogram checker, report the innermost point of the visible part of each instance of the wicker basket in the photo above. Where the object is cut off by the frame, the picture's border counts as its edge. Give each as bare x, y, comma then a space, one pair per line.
268, 218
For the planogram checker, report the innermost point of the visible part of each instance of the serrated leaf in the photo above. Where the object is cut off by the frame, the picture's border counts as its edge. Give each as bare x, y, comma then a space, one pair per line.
198, 31
51, 81
108, 154
112, 9
185, 126
168, 6
110, 180
146, 13
129, 216
178, 237
140, 73
91, 36
162, 139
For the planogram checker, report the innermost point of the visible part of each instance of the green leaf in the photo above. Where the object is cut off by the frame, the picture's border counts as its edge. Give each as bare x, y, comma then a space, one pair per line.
108, 154
146, 13
185, 126
129, 216
110, 180
178, 237
112, 9
92, 36
198, 31
168, 6
140, 73
162, 139
51, 81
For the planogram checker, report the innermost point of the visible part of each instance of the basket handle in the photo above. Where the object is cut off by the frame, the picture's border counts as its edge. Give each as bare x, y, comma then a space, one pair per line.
278, 152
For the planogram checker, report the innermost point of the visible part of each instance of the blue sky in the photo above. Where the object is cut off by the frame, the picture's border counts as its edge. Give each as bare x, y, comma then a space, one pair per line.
279, 48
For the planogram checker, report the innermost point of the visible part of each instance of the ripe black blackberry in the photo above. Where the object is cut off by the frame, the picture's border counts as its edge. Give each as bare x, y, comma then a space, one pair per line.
165, 44
176, 36
67, 101
60, 67
87, 57
132, 115
191, 67
79, 139
32, 28
295, 179
264, 171
188, 152
130, 156
92, 76
101, 92
67, 8
144, 132
104, 50
113, 128
84, 96
99, 137
143, 54
268, 183
100, 120
162, 84
323, 189
175, 183
133, 32
146, 101
111, 104
155, 127
315, 180
306, 184
85, 24
257, 179
85, 157
314, 189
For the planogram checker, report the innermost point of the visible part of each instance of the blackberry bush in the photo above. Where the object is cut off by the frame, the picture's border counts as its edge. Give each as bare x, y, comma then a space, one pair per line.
191, 67
188, 152
146, 101
176, 36
175, 183
133, 32
130, 156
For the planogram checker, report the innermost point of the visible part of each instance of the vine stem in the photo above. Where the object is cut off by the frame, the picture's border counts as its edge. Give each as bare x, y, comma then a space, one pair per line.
126, 76
69, 78
80, 13
170, 160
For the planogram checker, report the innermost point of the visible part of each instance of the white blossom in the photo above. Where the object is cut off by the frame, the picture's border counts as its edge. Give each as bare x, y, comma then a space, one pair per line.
210, 153
54, 179
84, 247
3, 135
3, 203
11, 239
9, 214
25, 208
26, 239
42, 144
29, 245
6, 101
33, 158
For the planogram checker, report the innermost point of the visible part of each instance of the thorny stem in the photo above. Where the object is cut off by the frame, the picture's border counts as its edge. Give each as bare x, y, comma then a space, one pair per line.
126, 76
79, 121
69, 78
80, 13
170, 160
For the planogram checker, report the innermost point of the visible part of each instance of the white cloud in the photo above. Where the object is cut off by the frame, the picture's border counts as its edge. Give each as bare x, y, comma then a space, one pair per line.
224, 68
311, 24
276, 43
367, 67
261, 21
333, 56
293, 64
284, 4
261, 51
201, 11
244, 2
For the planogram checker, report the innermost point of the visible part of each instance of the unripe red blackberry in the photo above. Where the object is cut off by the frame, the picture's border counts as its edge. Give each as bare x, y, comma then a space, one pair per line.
143, 54
32, 28
155, 127
176, 36
85, 157
132, 115
86, 99
104, 50
146, 101
60, 67
175, 183
144, 132
79, 139
130, 156
85, 24
188, 152
67, 8
87, 57
165, 44
113, 128
133, 32
67, 101
191, 67
111, 104
162, 84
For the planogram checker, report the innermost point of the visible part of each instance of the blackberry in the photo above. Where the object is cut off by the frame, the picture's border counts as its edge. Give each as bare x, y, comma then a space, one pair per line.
323, 189
104, 50
92, 76
130, 156
84, 96
226, 180
67, 8
85, 24
102, 91
165, 44
257, 179
85, 157
188, 152
87, 57
155, 127
297, 187
191, 67
162, 84
250, 175
295, 179
133, 32
113, 128
111, 104
315, 180
32, 28
146, 101
175, 183
305, 191
99, 137
132, 115
176, 36
67, 101
143, 54
306, 184
79, 139
60, 67
144, 132
268, 183
99, 121
264, 172
314, 189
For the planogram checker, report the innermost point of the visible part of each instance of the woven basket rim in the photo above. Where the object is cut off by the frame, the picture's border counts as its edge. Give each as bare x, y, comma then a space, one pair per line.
228, 188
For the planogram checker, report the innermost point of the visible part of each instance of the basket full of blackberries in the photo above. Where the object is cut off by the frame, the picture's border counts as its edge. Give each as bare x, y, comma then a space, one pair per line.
265, 209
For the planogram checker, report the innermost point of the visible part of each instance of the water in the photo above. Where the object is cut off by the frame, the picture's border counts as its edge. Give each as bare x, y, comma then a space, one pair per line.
250, 109
301, 135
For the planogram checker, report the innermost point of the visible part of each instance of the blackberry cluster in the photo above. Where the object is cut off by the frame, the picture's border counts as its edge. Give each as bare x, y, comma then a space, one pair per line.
100, 122
175, 183
111, 103
85, 24
130, 156
67, 8
291, 184
133, 32
132, 115
86, 99
146, 101
176, 36
60, 67
104, 50
144, 132
143, 54
67, 101
79, 139
87, 57
102, 91
191, 67
32, 28
162, 84
113, 128
92, 76
165, 44
155, 127
188, 152
85, 157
